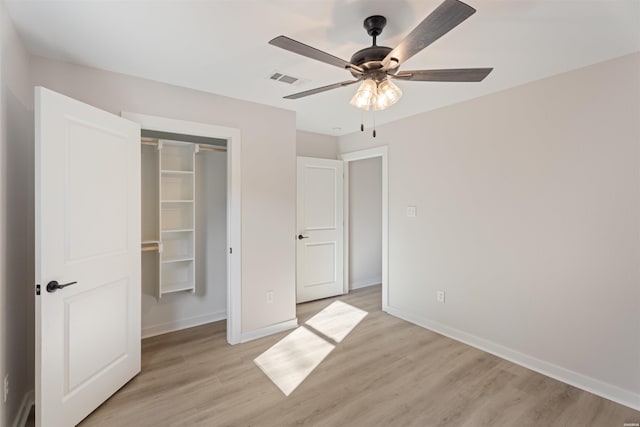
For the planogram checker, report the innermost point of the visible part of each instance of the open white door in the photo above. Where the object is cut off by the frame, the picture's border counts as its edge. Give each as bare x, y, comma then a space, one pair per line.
319, 272
87, 235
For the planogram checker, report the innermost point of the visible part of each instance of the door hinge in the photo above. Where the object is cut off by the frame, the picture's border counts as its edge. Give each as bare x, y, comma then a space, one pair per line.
230, 250
37, 289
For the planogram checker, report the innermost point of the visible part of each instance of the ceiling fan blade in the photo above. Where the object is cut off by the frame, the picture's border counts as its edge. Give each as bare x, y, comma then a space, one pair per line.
294, 46
451, 75
442, 20
320, 89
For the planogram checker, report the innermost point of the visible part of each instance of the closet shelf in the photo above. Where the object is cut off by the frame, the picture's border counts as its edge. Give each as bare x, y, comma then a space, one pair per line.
178, 201
177, 230
176, 259
177, 287
176, 172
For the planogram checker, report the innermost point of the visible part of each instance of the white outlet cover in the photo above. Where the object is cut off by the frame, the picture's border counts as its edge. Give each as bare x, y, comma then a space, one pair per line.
412, 211
440, 296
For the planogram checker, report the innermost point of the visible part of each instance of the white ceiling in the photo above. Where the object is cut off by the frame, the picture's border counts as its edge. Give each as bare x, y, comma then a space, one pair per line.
220, 46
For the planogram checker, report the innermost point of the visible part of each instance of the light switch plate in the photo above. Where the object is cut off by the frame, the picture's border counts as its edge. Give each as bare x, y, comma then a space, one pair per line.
412, 211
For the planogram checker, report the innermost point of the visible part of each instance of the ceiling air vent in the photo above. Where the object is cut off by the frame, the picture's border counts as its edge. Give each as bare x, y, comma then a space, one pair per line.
283, 78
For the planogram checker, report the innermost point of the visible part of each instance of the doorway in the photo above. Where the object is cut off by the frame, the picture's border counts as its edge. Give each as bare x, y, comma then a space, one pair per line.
232, 138
362, 265
365, 223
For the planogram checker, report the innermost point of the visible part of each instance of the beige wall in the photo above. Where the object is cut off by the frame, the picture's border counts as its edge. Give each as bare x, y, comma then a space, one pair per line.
529, 218
16, 220
365, 222
268, 170
309, 144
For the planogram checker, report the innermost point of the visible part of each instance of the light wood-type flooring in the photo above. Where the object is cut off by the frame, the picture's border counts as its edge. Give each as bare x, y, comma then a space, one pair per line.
386, 372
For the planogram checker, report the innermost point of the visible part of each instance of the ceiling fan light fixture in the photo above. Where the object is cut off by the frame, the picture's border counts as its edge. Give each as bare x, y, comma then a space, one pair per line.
375, 65
388, 94
365, 97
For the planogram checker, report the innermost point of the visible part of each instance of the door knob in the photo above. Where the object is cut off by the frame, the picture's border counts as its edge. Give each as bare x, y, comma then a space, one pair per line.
300, 237
53, 285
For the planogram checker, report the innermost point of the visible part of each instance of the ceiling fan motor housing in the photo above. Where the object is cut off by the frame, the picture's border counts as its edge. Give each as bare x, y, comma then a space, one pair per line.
370, 58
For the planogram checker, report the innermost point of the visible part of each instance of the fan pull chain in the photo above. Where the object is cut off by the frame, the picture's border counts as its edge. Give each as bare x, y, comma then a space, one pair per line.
374, 122
361, 120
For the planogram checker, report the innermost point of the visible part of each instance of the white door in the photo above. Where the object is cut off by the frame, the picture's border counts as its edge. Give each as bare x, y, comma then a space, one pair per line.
87, 179
320, 229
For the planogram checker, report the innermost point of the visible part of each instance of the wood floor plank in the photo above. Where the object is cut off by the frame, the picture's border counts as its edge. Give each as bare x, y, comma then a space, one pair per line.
386, 372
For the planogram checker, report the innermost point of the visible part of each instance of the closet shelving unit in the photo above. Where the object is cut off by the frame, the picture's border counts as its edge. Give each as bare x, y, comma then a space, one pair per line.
176, 216
168, 214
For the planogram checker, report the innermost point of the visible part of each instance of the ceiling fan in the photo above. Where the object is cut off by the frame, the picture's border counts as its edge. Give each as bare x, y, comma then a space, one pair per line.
376, 65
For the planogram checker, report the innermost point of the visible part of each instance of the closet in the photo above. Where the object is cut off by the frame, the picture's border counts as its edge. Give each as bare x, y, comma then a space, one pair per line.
183, 229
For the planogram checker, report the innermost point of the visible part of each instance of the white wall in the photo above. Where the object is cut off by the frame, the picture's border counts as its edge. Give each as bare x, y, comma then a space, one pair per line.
365, 222
268, 170
529, 218
16, 220
209, 302
309, 144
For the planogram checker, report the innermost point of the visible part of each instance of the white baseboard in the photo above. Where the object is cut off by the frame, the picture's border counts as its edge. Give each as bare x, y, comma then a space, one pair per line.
176, 325
592, 385
25, 408
269, 330
365, 283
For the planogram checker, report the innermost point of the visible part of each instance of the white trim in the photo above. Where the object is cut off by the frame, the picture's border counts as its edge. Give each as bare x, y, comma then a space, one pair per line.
269, 330
365, 283
383, 153
176, 325
592, 385
234, 207
25, 409
345, 239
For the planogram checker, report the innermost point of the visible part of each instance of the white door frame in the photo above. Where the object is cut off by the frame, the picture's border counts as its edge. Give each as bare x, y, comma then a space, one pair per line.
234, 219
370, 153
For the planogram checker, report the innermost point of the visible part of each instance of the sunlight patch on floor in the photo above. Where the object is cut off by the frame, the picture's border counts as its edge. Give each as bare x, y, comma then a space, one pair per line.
337, 320
288, 362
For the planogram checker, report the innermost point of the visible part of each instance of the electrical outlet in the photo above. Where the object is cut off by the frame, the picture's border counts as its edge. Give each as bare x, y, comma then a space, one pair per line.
6, 388
269, 297
440, 296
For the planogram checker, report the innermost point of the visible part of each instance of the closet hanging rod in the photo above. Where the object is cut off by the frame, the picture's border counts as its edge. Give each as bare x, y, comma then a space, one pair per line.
149, 141
151, 246
212, 148
202, 147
